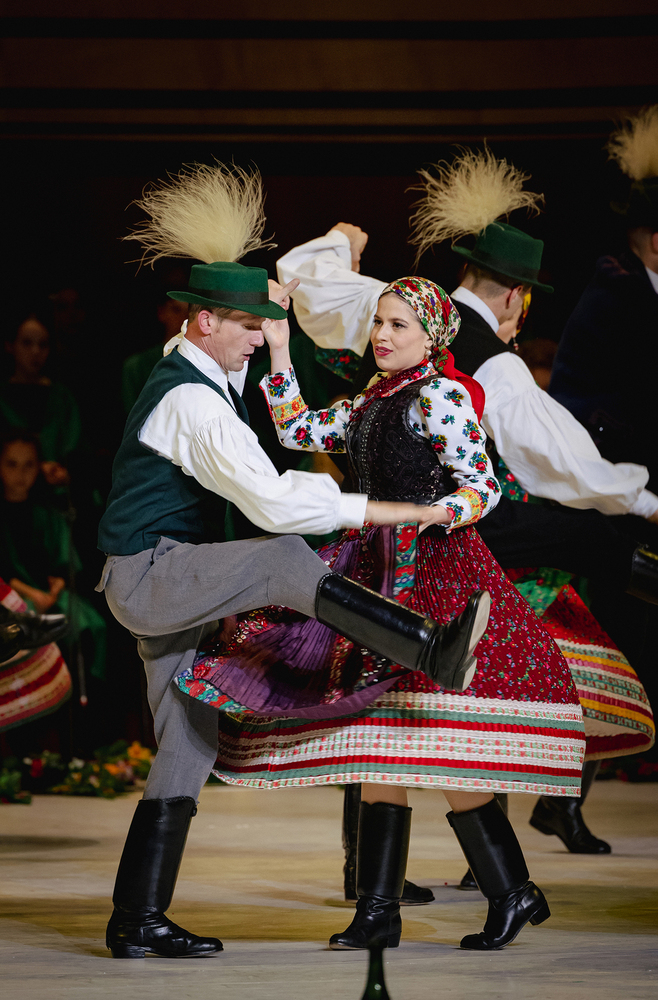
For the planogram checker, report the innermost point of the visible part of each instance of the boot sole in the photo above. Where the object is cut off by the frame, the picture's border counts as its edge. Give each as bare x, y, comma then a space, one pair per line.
134, 951
538, 917
394, 943
463, 676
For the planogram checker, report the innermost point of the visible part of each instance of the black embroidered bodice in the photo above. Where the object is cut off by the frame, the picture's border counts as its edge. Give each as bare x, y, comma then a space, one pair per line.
388, 460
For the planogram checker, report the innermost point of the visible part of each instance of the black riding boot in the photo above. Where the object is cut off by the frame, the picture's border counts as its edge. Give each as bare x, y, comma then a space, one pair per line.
468, 883
11, 640
495, 857
145, 884
563, 817
412, 894
644, 575
444, 653
36, 630
381, 860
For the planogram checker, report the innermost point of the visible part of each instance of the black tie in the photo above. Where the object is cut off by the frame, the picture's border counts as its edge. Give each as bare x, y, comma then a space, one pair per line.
238, 403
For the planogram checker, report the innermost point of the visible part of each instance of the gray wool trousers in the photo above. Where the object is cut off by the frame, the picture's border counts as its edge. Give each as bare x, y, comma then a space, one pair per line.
171, 598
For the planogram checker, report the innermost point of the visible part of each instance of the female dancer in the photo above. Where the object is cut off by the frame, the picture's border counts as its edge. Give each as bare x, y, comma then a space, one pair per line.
518, 727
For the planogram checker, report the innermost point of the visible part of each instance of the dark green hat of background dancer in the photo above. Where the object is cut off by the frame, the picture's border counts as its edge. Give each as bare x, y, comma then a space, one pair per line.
506, 250
230, 286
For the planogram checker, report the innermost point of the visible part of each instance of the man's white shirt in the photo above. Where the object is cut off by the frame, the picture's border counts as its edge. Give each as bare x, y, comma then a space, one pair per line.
199, 431
544, 446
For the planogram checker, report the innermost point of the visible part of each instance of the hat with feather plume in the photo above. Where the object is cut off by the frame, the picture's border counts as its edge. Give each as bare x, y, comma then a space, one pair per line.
213, 214
472, 196
634, 146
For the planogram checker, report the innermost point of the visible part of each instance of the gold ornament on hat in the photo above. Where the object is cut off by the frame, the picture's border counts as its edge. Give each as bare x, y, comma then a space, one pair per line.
209, 213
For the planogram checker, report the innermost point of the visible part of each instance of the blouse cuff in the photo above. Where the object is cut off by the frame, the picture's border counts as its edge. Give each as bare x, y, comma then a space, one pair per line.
645, 505
283, 397
466, 506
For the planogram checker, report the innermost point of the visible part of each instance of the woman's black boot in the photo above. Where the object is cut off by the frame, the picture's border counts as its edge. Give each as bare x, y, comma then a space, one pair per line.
444, 653
145, 885
468, 883
495, 857
381, 861
412, 894
563, 817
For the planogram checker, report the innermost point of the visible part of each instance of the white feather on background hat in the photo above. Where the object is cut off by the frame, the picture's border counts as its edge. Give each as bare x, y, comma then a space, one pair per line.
466, 196
635, 145
209, 213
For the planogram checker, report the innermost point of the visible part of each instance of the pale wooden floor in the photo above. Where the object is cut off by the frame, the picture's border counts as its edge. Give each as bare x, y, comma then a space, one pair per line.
263, 872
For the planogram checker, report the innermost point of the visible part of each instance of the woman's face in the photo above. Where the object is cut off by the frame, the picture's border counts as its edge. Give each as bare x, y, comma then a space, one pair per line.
398, 338
19, 468
30, 350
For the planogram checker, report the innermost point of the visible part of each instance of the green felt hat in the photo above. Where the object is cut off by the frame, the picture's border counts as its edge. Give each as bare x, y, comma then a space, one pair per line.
232, 286
506, 250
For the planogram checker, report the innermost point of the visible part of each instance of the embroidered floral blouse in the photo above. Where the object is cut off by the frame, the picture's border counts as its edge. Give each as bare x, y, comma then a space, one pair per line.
442, 413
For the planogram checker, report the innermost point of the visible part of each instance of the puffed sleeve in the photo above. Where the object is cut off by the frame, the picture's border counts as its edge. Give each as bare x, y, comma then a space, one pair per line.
334, 305
445, 416
297, 426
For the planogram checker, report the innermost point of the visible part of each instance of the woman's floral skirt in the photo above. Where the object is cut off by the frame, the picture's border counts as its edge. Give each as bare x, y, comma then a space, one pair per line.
518, 727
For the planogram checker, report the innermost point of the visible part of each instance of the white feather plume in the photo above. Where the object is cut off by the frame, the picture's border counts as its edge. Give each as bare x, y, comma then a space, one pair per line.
635, 145
209, 213
466, 196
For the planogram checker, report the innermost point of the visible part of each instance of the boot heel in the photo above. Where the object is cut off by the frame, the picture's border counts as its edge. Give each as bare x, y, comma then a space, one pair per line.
393, 940
126, 951
542, 914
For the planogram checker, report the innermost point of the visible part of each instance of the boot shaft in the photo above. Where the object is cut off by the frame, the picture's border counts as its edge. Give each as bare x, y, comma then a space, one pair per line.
491, 848
383, 847
152, 853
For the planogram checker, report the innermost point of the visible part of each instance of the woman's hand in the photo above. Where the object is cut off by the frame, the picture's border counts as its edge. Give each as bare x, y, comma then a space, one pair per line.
434, 515
277, 331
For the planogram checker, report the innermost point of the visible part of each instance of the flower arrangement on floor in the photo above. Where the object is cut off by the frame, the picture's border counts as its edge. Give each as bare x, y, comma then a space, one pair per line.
113, 770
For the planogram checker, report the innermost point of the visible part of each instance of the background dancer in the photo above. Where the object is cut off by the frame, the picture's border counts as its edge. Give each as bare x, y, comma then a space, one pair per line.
547, 450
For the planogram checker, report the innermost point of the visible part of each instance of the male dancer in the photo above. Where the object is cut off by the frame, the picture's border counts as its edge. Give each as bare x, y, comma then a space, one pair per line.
169, 577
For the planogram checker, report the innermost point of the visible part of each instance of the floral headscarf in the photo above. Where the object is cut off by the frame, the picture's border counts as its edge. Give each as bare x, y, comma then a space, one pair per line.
435, 311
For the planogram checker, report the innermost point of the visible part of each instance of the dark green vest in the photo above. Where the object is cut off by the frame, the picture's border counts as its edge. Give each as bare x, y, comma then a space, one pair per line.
151, 496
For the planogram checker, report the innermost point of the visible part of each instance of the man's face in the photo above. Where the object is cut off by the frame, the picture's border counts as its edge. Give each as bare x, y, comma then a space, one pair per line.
233, 341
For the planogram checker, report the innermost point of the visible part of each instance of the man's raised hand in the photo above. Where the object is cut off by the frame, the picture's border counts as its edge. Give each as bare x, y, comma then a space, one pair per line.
358, 240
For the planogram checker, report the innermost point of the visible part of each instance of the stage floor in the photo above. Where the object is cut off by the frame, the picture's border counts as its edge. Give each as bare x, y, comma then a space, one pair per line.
262, 871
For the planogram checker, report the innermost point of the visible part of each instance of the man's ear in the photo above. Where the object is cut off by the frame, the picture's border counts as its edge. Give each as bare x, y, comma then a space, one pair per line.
204, 322
514, 293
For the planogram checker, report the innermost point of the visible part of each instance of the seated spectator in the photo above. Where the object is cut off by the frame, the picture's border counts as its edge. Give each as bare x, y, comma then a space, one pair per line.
31, 401
37, 557
138, 367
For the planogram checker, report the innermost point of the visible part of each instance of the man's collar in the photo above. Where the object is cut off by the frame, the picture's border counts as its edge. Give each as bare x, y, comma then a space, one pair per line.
469, 298
653, 278
205, 364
